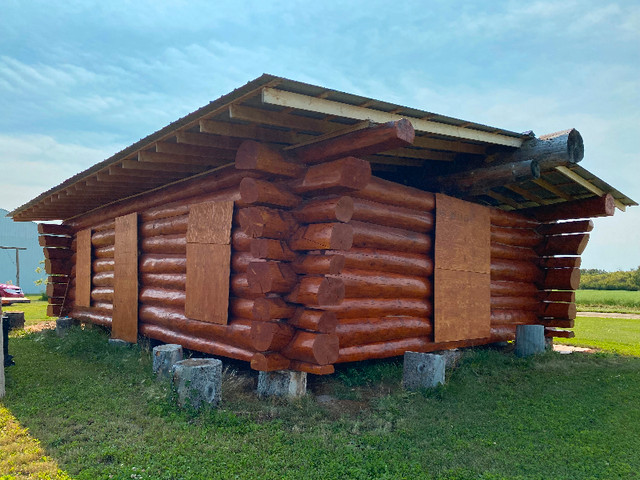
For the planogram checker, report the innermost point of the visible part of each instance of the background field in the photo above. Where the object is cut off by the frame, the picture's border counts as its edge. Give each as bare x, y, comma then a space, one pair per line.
622, 301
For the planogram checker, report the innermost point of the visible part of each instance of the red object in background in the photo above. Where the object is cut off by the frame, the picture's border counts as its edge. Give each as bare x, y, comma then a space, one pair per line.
12, 294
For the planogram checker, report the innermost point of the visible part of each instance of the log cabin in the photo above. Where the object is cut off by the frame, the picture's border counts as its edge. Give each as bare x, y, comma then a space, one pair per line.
295, 227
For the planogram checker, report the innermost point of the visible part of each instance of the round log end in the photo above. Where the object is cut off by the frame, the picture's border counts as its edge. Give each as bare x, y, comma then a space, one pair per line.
344, 209
263, 335
247, 154
575, 146
341, 237
574, 280
535, 169
336, 264
249, 190
610, 205
326, 349
406, 131
269, 362
328, 322
331, 291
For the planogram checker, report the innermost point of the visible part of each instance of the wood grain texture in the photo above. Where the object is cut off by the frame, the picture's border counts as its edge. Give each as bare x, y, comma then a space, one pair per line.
207, 290
210, 223
124, 325
83, 268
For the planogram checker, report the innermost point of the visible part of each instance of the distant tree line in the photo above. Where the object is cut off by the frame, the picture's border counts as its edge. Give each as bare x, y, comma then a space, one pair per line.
596, 279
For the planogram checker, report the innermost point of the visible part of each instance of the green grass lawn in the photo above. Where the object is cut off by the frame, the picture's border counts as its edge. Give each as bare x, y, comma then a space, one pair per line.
618, 335
622, 301
99, 414
34, 312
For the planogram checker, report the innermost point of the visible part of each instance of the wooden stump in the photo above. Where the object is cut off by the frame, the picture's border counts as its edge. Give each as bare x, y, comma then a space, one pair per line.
198, 380
529, 340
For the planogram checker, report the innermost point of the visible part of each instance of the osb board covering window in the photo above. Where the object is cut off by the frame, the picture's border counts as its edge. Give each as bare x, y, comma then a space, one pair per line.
125, 287
462, 255
208, 261
83, 268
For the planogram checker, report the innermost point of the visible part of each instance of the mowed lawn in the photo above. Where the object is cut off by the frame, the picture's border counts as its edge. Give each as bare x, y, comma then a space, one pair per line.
34, 312
622, 301
618, 335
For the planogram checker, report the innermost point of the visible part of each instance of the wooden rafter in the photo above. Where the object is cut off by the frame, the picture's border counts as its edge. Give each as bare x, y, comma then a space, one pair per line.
588, 185
551, 188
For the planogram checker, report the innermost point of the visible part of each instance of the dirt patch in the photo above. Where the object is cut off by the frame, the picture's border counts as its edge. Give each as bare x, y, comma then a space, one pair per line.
38, 327
567, 349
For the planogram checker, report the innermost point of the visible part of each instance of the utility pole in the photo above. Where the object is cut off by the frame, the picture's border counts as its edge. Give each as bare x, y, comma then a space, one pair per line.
17, 249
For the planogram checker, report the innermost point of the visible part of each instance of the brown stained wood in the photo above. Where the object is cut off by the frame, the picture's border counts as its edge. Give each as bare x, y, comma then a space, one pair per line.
196, 150
518, 237
271, 249
165, 226
160, 296
271, 308
270, 277
364, 141
90, 316
502, 288
241, 308
54, 241
562, 279
513, 317
392, 193
196, 343
56, 289
125, 283
318, 348
260, 192
240, 241
269, 362
239, 286
366, 283
553, 332
240, 261
386, 261
336, 177
558, 296
392, 216
502, 218
381, 307
210, 223
322, 236
271, 336
253, 155
579, 226
311, 264
588, 208
371, 236
181, 207
207, 287
164, 244
527, 303
206, 140
502, 333
103, 265
83, 268
299, 366
314, 320
392, 348
510, 252
324, 210
223, 158
317, 291
57, 253
57, 267
104, 279
103, 238
572, 244
266, 222
557, 322
57, 310
54, 229
558, 310
252, 131
101, 294
560, 262
515, 271
361, 331
160, 264
168, 280
104, 252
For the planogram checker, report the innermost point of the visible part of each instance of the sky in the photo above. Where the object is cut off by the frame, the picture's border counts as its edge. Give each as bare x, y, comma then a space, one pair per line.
81, 80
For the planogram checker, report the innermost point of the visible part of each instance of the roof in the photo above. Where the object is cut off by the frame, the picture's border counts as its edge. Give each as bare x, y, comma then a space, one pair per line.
287, 113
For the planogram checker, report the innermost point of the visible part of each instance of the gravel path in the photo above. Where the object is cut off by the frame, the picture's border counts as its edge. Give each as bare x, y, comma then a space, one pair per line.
634, 316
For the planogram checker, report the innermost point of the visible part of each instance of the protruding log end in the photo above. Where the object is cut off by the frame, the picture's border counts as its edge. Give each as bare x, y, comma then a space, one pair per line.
331, 291
253, 191
318, 348
270, 335
405, 130
314, 320
252, 155
318, 291
575, 146
269, 362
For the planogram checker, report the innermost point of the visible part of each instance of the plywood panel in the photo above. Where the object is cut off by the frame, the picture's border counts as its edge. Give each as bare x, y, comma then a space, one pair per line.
210, 223
83, 268
125, 288
462, 266
207, 290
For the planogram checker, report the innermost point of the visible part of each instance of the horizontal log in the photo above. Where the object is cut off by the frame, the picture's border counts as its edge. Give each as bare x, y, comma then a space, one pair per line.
361, 331
103, 238
562, 279
271, 249
387, 261
337, 177
269, 362
104, 252
162, 296
261, 192
322, 236
182, 207
195, 343
56, 289
176, 281
103, 307
392, 193
240, 261
530, 304
513, 317
266, 222
310, 264
515, 270
57, 310
381, 307
314, 320
509, 252
588, 208
57, 267
299, 366
239, 287
241, 308
503, 218
558, 296
103, 279
171, 244
270, 336
240, 241
557, 322
317, 291
552, 150
519, 237
64, 279
252, 155
558, 310
165, 226
271, 308
368, 235
551, 332
89, 316
365, 141
152, 263
506, 288
392, 216
270, 277
325, 210
366, 283
54, 229
393, 348
103, 265
560, 262
318, 348
502, 333
579, 226
57, 253
572, 244
54, 241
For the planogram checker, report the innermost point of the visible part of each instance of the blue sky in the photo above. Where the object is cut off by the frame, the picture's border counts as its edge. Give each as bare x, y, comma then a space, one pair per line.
81, 80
